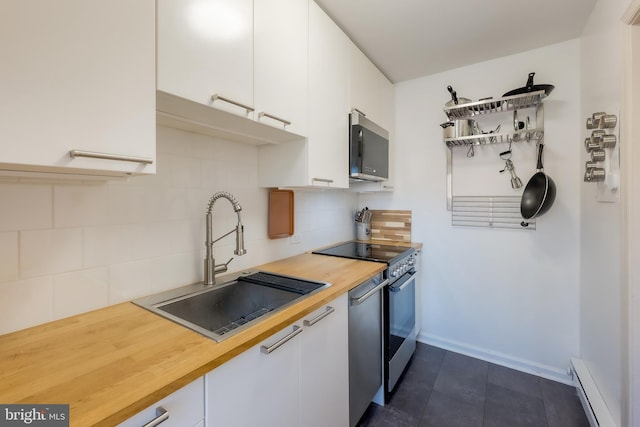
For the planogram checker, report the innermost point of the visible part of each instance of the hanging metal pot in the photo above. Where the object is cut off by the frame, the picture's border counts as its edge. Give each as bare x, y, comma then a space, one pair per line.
454, 98
459, 128
539, 194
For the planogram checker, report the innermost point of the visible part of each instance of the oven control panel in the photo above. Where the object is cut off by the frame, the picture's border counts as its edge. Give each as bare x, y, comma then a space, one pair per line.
401, 267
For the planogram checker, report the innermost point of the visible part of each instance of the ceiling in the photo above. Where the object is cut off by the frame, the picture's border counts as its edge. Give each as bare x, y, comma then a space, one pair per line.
407, 39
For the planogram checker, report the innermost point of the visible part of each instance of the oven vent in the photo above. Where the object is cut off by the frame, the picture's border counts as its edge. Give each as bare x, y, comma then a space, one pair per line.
594, 405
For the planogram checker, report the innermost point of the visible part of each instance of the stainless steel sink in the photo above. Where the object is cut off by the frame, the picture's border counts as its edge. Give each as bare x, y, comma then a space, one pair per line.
219, 311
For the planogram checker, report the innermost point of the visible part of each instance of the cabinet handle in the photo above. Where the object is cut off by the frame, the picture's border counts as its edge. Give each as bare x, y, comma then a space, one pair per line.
162, 415
328, 310
322, 180
215, 97
269, 349
271, 116
363, 298
106, 156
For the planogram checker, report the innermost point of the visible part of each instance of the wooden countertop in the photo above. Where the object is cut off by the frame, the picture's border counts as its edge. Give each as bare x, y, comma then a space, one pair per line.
111, 363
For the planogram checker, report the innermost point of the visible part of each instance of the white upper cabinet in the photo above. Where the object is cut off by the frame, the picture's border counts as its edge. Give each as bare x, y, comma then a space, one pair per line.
372, 93
328, 101
281, 30
205, 48
77, 76
369, 90
322, 160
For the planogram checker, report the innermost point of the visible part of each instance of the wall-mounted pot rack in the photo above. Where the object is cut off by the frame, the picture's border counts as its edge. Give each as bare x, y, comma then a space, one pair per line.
493, 106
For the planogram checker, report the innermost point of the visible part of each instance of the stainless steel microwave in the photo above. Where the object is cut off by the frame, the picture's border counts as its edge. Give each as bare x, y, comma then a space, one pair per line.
368, 149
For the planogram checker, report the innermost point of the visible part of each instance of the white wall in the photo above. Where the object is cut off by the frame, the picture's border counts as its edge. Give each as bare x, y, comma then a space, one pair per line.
510, 296
601, 299
69, 247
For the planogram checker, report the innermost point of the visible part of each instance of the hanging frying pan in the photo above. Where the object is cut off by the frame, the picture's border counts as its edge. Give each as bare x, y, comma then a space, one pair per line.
539, 194
530, 87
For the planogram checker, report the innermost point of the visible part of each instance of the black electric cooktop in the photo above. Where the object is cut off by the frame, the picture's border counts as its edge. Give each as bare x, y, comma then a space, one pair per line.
367, 252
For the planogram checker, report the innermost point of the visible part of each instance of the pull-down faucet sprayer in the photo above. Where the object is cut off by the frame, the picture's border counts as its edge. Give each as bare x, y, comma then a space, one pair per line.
210, 267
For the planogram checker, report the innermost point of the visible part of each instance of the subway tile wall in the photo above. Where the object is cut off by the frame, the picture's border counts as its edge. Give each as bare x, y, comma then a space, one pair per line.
68, 247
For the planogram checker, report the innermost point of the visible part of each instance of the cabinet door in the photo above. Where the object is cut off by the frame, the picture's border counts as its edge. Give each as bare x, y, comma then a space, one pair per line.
255, 388
281, 31
185, 408
77, 75
369, 90
205, 47
324, 367
373, 94
328, 145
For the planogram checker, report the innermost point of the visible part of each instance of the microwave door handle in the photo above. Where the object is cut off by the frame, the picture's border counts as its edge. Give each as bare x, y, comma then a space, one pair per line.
360, 149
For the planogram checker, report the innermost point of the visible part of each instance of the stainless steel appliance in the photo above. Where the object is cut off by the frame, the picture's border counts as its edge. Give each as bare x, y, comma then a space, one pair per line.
398, 302
365, 345
368, 149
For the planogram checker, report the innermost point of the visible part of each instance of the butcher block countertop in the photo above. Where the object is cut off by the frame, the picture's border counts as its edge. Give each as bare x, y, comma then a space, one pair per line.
111, 363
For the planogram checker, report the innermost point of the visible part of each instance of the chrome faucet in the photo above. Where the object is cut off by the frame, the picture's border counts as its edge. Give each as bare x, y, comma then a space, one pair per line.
210, 267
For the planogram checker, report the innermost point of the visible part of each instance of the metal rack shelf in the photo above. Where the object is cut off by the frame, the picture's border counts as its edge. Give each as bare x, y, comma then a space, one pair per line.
473, 110
498, 105
528, 135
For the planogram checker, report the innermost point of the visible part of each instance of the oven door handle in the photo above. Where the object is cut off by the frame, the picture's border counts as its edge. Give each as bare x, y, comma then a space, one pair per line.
404, 285
363, 298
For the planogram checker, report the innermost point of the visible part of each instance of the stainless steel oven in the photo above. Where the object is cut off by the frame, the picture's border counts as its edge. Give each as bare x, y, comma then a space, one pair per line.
400, 335
398, 303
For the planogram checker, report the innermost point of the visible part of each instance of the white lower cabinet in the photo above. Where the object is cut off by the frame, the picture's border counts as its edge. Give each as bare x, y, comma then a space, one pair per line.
324, 367
297, 377
185, 408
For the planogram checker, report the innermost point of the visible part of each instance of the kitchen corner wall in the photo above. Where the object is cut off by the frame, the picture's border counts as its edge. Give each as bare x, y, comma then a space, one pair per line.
602, 296
68, 247
508, 296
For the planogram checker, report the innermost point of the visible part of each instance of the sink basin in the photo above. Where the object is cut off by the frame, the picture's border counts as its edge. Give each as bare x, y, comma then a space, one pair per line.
219, 311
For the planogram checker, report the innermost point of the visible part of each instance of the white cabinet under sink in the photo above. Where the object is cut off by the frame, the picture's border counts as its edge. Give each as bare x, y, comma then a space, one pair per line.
182, 408
298, 376
78, 75
256, 388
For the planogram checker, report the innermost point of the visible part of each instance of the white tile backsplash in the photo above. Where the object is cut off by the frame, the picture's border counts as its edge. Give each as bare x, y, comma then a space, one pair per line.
25, 303
70, 247
78, 205
9, 265
80, 291
108, 244
44, 252
25, 207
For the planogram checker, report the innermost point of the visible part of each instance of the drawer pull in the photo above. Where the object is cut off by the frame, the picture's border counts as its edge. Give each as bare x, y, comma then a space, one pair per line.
323, 180
162, 415
215, 97
106, 156
283, 121
269, 349
328, 310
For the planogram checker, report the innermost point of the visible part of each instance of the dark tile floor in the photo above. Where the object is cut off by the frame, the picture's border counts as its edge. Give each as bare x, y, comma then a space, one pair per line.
445, 389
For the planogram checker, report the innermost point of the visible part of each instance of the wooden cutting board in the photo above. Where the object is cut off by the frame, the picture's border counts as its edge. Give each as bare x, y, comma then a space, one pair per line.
280, 213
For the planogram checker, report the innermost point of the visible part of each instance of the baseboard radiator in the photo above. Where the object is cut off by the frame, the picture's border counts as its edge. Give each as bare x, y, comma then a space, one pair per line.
594, 405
